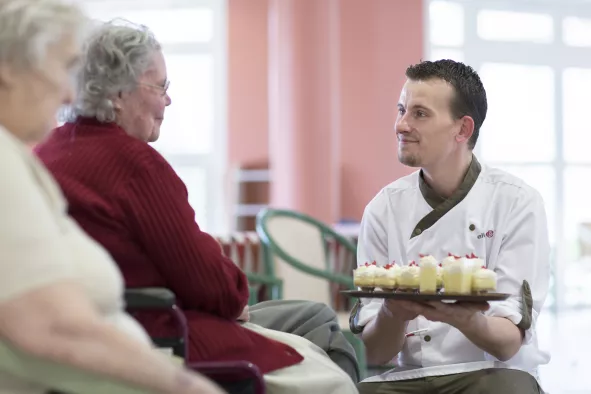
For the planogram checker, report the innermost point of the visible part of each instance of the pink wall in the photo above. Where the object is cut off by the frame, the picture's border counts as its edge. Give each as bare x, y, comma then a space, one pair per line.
378, 40
248, 139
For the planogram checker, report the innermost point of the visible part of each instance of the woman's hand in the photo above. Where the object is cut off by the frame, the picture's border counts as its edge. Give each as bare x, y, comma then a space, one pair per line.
245, 315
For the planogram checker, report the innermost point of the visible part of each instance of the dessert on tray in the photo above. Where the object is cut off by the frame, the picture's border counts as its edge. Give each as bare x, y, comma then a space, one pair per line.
428, 274
387, 277
484, 280
458, 277
409, 277
439, 271
453, 275
446, 261
474, 262
365, 275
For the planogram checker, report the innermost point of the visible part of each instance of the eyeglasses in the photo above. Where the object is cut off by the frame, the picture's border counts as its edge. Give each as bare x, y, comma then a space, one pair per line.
163, 89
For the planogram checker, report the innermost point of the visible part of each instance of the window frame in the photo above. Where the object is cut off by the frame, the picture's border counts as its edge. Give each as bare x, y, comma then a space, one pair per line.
214, 163
477, 51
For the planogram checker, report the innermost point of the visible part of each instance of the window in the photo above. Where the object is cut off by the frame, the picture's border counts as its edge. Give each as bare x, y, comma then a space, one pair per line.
516, 26
534, 58
447, 53
576, 31
189, 125
520, 111
576, 96
446, 23
192, 34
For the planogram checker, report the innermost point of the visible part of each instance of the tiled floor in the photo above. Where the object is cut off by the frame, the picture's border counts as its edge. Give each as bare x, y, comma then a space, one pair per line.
567, 337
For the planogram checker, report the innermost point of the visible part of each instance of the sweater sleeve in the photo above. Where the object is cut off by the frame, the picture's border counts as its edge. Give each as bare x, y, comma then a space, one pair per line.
190, 260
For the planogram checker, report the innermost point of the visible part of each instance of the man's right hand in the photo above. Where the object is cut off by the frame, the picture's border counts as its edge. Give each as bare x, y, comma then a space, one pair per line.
396, 310
384, 335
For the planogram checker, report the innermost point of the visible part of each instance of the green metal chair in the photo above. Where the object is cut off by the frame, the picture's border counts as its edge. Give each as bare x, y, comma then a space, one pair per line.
263, 286
271, 286
296, 248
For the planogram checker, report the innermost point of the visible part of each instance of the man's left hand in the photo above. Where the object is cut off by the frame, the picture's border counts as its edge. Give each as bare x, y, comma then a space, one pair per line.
458, 315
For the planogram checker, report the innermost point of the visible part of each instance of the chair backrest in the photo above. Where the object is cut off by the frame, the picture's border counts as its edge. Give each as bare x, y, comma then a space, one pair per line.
245, 250
297, 248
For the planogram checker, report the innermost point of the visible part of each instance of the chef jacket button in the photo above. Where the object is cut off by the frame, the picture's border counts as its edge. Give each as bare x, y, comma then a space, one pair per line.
427, 338
472, 227
418, 231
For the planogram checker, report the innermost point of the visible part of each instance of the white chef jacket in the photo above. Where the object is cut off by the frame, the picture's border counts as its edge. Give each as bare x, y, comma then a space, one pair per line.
501, 220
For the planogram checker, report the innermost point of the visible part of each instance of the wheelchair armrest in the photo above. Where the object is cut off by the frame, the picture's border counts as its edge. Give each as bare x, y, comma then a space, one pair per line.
149, 298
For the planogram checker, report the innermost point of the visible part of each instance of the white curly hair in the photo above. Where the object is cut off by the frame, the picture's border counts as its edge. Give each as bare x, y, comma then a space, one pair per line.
115, 56
29, 27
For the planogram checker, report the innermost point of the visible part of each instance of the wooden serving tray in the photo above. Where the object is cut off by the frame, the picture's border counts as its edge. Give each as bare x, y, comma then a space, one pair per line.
410, 296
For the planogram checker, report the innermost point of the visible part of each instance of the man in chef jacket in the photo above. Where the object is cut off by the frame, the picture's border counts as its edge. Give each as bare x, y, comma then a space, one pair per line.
454, 204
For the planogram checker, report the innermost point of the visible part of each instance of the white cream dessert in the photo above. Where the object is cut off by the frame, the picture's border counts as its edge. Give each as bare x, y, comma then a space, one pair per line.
380, 277
428, 275
387, 277
474, 262
447, 261
457, 277
439, 283
393, 274
484, 280
364, 275
409, 277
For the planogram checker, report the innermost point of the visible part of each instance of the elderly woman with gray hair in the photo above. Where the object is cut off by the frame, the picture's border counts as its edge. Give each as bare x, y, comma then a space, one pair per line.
128, 197
60, 291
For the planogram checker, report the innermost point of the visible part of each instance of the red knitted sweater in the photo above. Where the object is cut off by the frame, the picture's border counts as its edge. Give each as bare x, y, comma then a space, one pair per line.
125, 195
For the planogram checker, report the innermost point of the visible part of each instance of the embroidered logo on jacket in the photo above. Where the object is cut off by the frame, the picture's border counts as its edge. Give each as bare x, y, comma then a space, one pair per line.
488, 234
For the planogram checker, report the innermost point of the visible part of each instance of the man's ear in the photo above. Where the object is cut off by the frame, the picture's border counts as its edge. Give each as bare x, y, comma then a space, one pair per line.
466, 129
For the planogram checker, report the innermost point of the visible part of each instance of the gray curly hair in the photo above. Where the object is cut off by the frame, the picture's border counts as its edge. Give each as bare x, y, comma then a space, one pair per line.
115, 56
29, 27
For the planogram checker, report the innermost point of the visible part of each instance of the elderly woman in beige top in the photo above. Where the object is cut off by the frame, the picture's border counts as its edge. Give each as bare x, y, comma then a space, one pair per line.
60, 292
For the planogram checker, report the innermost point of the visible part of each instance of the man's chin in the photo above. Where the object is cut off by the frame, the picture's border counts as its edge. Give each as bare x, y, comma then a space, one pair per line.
409, 160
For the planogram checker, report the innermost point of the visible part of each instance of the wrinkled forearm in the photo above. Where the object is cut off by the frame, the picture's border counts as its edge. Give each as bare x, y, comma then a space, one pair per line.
101, 349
